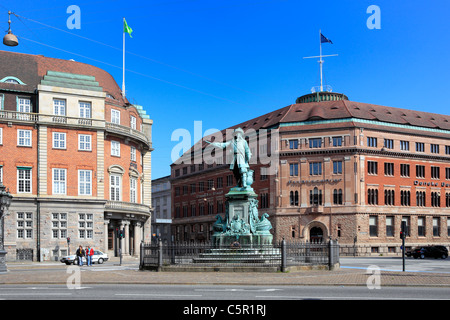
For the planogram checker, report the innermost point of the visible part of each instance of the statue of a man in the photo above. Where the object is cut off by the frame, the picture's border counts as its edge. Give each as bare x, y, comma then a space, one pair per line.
241, 156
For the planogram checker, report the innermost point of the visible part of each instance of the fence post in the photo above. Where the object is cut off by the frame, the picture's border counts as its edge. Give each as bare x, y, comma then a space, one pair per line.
160, 254
283, 255
141, 256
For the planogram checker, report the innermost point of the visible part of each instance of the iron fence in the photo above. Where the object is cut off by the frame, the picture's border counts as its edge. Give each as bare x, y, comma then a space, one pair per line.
281, 255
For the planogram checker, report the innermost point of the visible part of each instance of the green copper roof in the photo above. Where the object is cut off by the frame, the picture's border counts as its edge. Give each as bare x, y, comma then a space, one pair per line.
71, 80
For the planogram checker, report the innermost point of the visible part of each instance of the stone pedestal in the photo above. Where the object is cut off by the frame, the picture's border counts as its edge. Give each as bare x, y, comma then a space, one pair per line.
242, 225
3, 267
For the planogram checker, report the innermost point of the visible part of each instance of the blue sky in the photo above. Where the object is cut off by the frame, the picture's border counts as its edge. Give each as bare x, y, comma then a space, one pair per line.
223, 62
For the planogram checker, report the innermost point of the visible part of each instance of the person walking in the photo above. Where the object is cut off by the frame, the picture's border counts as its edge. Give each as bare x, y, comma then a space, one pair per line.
80, 254
89, 254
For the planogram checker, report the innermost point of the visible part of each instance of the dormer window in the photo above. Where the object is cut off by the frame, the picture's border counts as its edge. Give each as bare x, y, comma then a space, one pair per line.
12, 80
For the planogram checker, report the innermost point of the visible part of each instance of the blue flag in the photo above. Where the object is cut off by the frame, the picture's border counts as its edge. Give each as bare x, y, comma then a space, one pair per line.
324, 39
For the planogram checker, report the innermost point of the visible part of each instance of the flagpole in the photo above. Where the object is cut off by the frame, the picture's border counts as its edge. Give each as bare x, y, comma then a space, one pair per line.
320, 61
123, 74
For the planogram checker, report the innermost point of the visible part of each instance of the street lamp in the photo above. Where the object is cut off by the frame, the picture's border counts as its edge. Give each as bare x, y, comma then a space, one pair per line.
5, 202
10, 39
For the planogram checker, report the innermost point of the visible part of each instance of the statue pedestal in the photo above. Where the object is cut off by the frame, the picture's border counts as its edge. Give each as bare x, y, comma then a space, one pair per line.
242, 225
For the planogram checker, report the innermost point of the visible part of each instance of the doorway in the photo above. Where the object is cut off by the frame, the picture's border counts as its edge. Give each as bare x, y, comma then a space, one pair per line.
316, 235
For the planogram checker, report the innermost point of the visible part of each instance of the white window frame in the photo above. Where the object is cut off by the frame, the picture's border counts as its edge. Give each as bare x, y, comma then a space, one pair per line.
84, 182
1, 174
115, 148
115, 116
86, 144
133, 122
24, 225
115, 187
1, 136
133, 190
59, 225
85, 109
59, 140
85, 226
25, 180
25, 136
23, 104
133, 153
59, 107
59, 181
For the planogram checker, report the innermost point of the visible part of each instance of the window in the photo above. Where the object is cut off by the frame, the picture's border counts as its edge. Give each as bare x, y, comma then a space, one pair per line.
447, 173
115, 116
372, 167
85, 109
435, 172
337, 167
293, 169
372, 196
59, 140
315, 168
447, 149
1, 136
337, 196
405, 197
434, 148
115, 148
421, 226
448, 226
59, 181
210, 184
389, 226
420, 171
219, 182
133, 190
404, 145
373, 226
84, 182
24, 138
23, 105
435, 199
229, 180
133, 153
293, 196
1, 174
420, 147
293, 144
84, 142
59, 225
389, 197
315, 197
337, 141
24, 225
389, 143
115, 187
388, 169
372, 142
420, 198
59, 107
315, 143
85, 226
264, 200
24, 180
436, 226
404, 170
133, 124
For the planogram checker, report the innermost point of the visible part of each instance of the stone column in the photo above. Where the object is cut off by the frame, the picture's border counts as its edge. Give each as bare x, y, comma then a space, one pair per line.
137, 237
105, 237
126, 248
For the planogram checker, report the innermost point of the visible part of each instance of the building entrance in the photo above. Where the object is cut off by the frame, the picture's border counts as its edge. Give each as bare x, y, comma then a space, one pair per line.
316, 235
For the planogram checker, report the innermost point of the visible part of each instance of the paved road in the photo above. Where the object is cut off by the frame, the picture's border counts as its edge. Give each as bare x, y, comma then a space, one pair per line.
396, 264
195, 292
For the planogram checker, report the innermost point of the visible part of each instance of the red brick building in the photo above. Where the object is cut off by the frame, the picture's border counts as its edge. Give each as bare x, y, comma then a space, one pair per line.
75, 154
347, 170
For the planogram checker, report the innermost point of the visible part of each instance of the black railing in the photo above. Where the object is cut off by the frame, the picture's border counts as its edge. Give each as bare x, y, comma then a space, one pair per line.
280, 256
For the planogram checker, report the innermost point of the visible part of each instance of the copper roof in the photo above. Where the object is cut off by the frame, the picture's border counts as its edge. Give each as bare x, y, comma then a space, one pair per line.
31, 69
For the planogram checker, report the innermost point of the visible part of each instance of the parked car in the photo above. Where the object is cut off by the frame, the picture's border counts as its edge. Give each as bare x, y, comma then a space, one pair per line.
429, 251
98, 257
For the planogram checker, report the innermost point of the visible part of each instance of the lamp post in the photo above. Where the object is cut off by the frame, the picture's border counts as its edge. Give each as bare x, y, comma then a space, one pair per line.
5, 202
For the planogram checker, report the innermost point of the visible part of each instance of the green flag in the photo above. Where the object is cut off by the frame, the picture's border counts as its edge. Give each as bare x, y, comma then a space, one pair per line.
126, 28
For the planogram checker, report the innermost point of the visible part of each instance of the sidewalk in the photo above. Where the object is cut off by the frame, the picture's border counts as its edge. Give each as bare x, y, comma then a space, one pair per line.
128, 273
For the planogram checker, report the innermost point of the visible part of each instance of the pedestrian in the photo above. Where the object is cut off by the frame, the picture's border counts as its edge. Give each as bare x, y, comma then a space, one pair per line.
80, 254
89, 254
